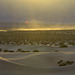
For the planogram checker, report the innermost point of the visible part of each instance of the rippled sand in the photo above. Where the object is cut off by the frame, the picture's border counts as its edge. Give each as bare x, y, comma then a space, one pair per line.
42, 63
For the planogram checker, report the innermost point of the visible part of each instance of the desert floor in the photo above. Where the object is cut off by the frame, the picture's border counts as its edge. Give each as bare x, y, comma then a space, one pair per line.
37, 63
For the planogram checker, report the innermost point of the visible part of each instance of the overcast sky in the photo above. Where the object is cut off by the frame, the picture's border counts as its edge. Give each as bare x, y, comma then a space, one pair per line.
40, 11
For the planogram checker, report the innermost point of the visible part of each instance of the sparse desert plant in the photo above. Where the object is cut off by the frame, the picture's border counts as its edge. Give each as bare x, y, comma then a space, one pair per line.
61, 43
56, 51
23, 51
27, 51
59, 62
63, 46
72, 43
6, 51
35, 50
19, 50
11, 51
69, 62
0, 49
63, 64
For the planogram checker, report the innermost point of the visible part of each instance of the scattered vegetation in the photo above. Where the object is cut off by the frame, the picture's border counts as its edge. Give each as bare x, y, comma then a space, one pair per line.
69, 62
0, 49
62, 63
50, 38
19, 50
25, 51
11, 51
63, 46
35, 50
56, 51
6, 51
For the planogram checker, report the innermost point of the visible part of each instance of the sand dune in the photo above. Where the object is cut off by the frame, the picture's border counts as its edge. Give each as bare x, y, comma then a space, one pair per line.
14, 55
10, 68
36, 64
44, 60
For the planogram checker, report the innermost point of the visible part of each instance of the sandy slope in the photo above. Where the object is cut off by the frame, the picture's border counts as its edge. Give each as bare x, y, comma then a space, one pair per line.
37, 64
44, 60
41, 48
14, 55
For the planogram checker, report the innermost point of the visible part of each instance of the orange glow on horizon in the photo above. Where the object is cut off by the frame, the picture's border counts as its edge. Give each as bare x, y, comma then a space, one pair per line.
36, 29
3, 30
43, 29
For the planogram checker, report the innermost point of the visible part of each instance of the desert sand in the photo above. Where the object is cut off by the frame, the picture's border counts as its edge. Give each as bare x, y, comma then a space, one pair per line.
37, 63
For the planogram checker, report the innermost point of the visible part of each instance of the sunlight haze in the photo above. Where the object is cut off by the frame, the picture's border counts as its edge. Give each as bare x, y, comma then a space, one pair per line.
38, 13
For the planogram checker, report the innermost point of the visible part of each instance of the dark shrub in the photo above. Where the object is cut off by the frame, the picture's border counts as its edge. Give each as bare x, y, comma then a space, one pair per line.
63, 46
56, 51
69, 62
60, 62
19, 50
61, 43
0, 49
11, 51
23, 51
71, 43
6, 51
35, 51
27, 51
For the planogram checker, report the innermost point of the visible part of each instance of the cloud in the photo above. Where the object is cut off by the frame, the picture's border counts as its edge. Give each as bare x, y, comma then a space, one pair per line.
47, 12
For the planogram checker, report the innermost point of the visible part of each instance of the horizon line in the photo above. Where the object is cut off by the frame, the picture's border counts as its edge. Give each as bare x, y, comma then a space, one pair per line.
42, 29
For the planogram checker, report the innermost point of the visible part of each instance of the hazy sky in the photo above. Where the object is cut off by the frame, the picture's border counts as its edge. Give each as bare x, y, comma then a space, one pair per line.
38, 11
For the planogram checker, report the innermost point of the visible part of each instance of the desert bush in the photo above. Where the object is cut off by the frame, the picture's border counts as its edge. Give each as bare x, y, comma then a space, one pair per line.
61, 43
69, 62
23, 51
63, 46
63, 64
35, 50
59, 62
11, 51
72, 43
6, 51
27, 51
19, 50
56, 51
0, 49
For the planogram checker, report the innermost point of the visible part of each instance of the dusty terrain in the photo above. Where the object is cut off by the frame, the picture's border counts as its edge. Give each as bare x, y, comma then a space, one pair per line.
37, 63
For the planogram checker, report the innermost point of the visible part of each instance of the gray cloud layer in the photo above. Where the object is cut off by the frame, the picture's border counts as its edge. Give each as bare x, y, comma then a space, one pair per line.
45, 11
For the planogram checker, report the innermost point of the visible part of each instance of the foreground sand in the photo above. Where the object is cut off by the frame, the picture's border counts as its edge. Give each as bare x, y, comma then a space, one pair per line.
42, 63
